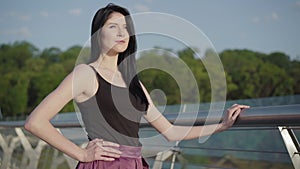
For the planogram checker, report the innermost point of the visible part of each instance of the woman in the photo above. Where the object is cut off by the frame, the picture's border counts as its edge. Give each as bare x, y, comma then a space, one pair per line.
112, 101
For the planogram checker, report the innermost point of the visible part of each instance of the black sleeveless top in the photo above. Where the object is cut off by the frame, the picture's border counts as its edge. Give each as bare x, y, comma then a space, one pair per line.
112, 114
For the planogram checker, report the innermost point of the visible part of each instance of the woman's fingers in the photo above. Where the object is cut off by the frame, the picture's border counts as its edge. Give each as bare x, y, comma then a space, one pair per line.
107, 143
106, 158
112, 150
103, 150
232, 114
105, 153
109, 147
97, 141
235, 109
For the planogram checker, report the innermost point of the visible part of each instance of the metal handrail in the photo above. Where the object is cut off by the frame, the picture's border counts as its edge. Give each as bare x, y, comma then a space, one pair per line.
265, 116
283, 117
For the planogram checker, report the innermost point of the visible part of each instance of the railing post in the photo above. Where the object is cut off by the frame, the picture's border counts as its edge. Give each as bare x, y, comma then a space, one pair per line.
7, 150
162, 156
292, 145
56, 159
32, 154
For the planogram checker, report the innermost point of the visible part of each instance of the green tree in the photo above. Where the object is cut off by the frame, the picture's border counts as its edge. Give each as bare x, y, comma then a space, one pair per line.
154, 68
68, 57
28, 75
51, 55
199, 71
254, 75
294, 73
14, 77
13, 89
279, 59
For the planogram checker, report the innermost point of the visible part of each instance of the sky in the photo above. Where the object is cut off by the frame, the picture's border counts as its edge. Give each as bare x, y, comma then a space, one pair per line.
263, 26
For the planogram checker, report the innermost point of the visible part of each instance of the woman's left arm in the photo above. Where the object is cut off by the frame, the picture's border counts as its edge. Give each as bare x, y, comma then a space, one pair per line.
174, 133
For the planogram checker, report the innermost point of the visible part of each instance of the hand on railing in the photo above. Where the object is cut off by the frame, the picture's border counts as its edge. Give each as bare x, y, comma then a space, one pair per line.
231, 115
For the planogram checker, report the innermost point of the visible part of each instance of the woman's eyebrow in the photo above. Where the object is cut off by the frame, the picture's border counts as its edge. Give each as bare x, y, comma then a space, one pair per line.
111, 23
114, 23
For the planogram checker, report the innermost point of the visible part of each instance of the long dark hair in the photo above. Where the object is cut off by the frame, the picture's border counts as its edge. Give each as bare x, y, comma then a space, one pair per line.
126, 59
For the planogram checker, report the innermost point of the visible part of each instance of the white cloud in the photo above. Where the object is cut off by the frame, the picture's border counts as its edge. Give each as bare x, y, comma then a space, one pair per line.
44, 13
141, 8
242, 35
11, 14
267, 18
274, 16
297, 4
17, 16
24, 18
255, 19
22, 32
75, 12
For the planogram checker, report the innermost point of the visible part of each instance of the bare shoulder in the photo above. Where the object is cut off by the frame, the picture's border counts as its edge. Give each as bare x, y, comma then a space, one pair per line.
83, 73
83, 69
85, 81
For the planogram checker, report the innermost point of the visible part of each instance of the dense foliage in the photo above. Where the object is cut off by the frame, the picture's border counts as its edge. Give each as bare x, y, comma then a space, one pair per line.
28, 75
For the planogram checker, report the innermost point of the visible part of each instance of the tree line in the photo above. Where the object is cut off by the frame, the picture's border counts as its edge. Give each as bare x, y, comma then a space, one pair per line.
28, 75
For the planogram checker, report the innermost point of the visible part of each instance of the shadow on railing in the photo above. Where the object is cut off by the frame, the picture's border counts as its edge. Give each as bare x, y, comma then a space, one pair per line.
22, 150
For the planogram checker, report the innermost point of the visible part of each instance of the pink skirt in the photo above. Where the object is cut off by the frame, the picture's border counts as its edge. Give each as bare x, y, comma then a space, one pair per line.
131, 158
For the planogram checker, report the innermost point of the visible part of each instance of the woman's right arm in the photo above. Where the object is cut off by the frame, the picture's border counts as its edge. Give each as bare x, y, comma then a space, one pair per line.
38, 123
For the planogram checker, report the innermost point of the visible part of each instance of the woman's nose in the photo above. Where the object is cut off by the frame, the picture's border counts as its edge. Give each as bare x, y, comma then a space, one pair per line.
121, 32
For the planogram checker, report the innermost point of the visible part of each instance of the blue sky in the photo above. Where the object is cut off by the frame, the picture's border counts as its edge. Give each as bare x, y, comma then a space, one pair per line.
263, 26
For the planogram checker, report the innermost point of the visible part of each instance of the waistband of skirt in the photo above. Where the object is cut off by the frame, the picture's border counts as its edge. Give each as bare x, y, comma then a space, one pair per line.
130, 151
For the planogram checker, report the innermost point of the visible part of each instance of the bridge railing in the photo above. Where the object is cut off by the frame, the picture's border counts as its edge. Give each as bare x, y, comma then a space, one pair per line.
22, 150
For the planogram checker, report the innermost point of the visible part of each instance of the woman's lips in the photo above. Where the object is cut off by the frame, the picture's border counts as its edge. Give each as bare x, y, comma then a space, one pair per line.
120, 41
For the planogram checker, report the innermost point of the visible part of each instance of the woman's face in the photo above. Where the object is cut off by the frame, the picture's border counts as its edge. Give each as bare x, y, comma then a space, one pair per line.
114, 35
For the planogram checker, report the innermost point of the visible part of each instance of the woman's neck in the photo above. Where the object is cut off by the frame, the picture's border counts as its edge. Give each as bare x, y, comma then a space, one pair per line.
108, 62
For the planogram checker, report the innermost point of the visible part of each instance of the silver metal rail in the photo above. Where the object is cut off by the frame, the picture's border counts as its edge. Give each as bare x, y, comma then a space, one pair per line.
271, 116
280, 117
292, 145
